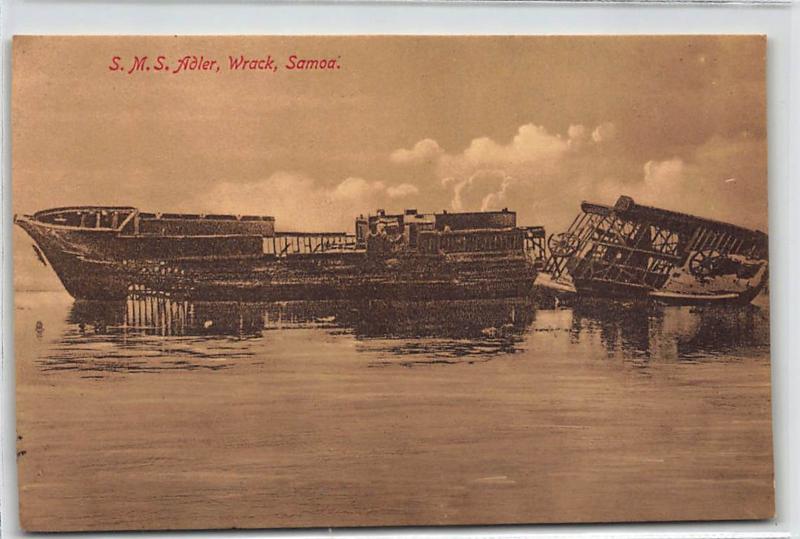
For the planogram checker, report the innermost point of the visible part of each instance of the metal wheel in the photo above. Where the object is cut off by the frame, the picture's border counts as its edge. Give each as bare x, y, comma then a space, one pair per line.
563, 244
705, 263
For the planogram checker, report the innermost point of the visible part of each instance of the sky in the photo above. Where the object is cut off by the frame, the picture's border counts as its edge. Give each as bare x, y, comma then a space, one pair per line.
535, 124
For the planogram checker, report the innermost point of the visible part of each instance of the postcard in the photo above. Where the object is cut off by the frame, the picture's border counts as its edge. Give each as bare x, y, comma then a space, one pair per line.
305, 281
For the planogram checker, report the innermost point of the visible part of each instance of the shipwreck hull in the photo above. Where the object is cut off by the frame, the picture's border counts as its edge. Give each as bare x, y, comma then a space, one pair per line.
328, 276
634, 252
82, 277
334, 276
105, 265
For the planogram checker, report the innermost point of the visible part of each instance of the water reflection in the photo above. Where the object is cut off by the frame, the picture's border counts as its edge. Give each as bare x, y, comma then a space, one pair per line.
152, 334
649, 331
384, 319
149, 334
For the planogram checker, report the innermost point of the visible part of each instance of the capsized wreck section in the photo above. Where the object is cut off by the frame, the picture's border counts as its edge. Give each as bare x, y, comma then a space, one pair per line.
631, 251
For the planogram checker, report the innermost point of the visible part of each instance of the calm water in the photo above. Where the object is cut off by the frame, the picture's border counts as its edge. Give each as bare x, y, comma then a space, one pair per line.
154, 414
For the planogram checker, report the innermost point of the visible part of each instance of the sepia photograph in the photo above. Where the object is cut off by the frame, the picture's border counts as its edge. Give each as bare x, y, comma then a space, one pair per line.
351, 281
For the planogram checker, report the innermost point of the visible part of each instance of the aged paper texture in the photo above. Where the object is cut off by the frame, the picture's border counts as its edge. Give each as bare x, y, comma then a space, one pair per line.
282, 282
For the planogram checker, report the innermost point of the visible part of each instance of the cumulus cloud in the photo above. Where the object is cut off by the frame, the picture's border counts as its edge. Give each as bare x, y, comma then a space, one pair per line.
540, 174
577, 132
426, 150
402, 190
352, 190
604, 132
577, 136
544, 176
724, 178
481, 191
662, 176
532, 144
299, 202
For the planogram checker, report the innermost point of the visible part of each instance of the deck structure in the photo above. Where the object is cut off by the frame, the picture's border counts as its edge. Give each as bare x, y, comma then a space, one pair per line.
631, 250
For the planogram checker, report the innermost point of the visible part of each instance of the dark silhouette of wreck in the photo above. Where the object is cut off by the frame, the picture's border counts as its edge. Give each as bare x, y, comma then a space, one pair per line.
640, 252
112, 252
